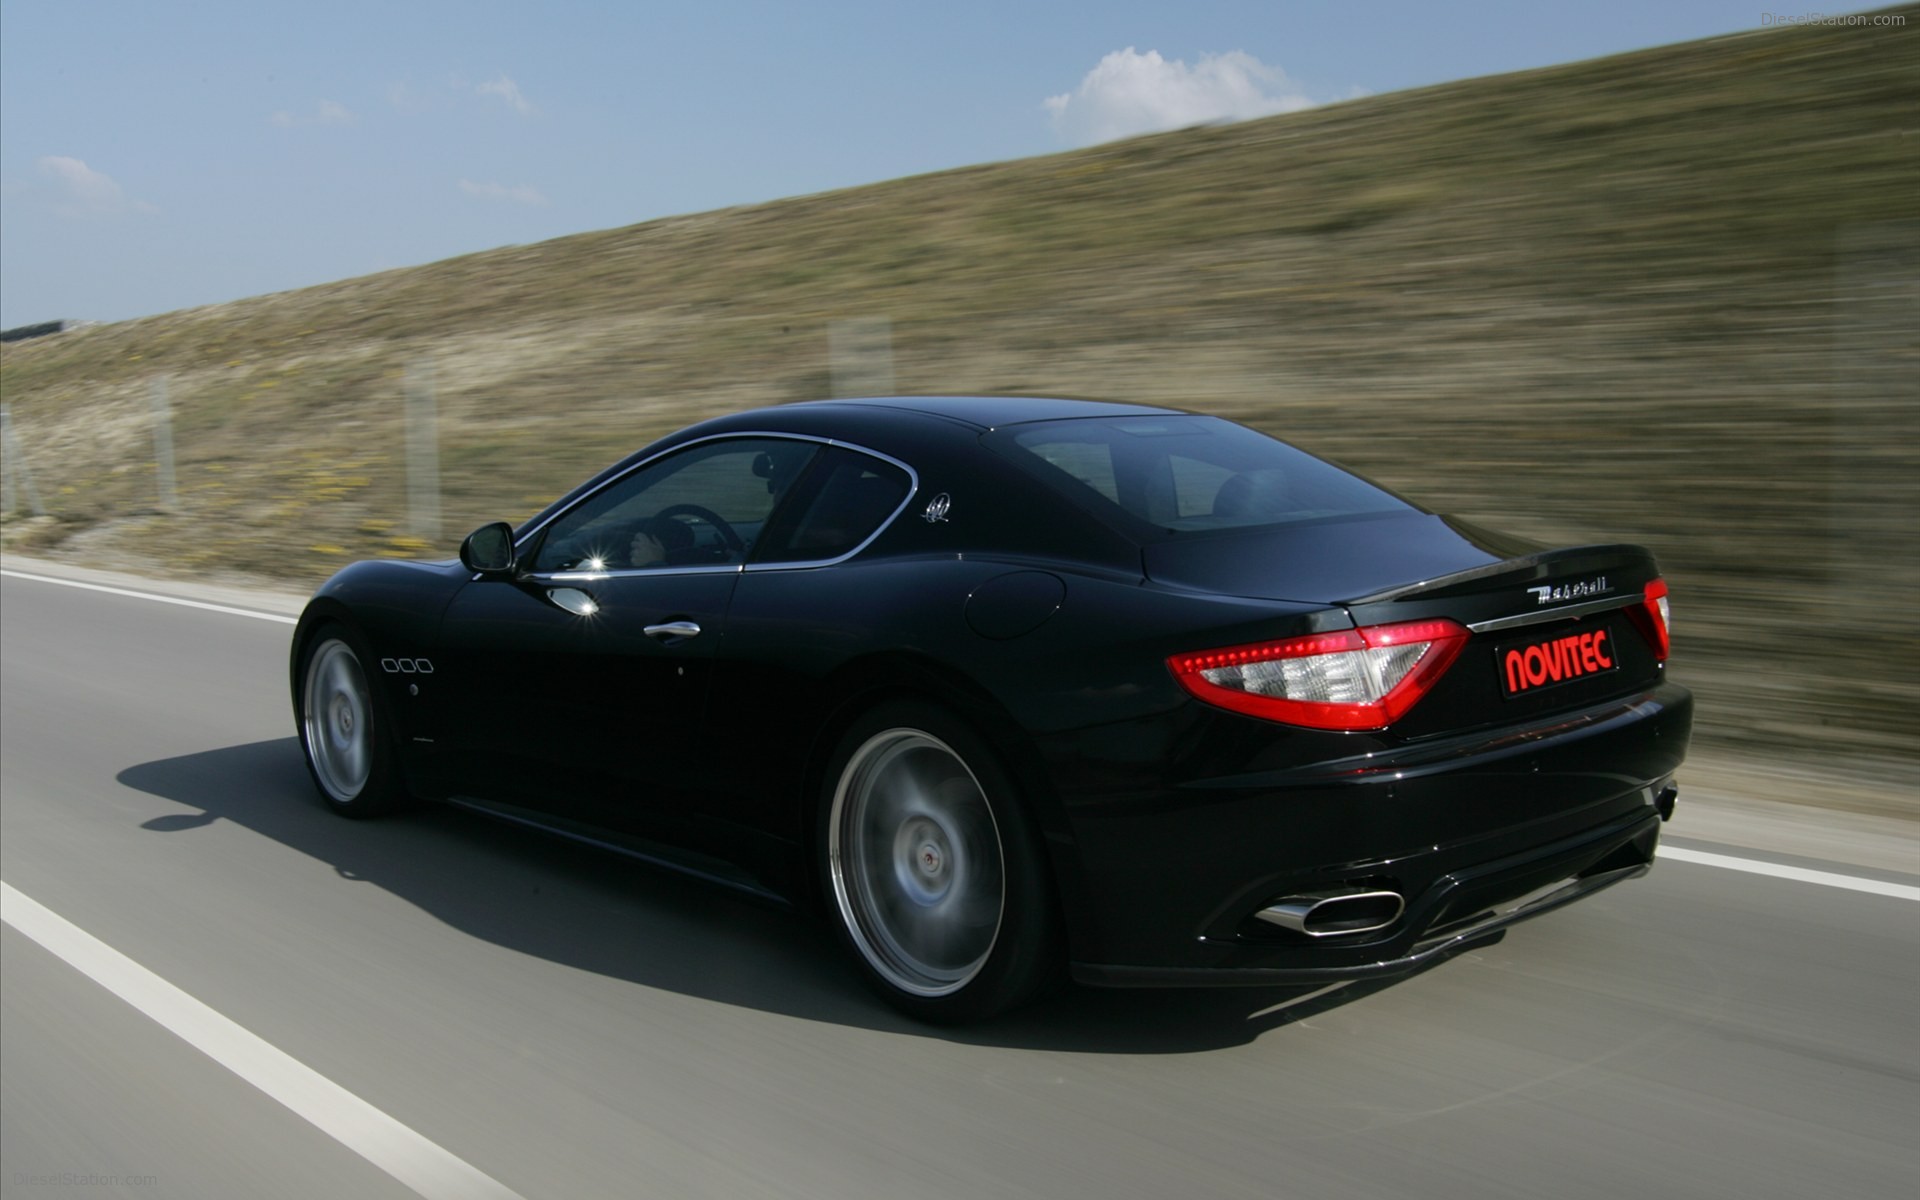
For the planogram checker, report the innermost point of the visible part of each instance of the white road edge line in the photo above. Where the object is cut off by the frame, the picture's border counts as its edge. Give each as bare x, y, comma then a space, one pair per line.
1851, 883
184, 603
396, 1149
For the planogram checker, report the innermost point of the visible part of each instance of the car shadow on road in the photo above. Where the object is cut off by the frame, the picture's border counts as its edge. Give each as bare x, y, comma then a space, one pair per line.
599, 912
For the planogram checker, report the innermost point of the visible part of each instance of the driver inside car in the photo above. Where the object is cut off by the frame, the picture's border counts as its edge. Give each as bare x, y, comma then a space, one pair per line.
655, 541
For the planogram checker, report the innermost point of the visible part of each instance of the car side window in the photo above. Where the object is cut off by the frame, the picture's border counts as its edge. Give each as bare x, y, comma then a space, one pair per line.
704, 506
843, 502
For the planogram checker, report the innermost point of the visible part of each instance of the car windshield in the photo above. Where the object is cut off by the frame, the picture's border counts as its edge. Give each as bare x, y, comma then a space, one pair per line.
1172, 475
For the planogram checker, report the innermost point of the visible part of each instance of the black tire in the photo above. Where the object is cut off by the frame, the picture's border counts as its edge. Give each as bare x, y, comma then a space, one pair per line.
932, 870
346, 735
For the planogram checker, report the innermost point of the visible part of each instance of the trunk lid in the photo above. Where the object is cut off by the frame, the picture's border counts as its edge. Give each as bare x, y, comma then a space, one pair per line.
1552, 629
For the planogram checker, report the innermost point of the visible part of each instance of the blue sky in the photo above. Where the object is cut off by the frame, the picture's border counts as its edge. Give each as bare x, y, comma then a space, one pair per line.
156, 156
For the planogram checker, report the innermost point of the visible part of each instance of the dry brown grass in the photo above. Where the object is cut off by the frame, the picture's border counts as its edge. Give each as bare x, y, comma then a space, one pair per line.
1667, 297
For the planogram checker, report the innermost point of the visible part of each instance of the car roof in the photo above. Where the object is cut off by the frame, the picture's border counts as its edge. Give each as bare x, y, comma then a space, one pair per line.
992, 412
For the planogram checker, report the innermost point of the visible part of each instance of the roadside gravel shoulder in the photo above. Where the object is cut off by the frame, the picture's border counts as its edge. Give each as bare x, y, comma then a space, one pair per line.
1866, 819
237, 591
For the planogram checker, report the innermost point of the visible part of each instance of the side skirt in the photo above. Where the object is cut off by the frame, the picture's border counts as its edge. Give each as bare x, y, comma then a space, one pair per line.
684, 862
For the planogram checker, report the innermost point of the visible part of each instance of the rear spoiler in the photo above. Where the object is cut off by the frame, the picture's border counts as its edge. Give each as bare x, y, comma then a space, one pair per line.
1631, 563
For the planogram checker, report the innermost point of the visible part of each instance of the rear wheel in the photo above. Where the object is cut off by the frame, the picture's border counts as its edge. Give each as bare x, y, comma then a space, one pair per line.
343, 730
936, 879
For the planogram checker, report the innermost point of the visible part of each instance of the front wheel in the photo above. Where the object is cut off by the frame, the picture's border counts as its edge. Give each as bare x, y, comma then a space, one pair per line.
343, 731
936, 879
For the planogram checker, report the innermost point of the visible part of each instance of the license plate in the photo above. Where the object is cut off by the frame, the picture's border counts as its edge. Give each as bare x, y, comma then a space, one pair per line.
1555, 659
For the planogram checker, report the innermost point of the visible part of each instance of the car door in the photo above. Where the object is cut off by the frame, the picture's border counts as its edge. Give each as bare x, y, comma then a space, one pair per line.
584, 679
802, 609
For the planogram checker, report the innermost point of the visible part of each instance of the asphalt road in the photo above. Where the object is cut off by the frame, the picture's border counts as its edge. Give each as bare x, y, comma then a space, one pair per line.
572, 1025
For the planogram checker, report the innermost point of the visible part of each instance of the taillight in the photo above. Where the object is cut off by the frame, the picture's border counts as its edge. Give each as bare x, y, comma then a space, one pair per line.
1651, 617
1354, 679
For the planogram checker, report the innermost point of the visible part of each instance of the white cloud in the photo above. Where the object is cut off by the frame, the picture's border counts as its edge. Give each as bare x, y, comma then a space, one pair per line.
326, 112
1129, 93
456, 90
507, 90
500, 191
81, 191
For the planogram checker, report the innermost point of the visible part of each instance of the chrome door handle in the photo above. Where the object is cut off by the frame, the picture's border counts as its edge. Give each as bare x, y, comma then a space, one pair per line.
672, 630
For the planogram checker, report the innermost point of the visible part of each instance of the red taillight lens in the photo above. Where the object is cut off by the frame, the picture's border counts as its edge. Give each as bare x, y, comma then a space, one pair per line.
1651, 616
1354, 679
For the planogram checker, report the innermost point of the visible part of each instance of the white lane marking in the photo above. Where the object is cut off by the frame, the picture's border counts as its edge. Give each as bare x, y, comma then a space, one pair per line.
396, 1149
1852, 883
114, 591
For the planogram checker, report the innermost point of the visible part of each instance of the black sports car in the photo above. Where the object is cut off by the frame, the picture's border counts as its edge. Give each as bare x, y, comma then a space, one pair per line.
1018, 687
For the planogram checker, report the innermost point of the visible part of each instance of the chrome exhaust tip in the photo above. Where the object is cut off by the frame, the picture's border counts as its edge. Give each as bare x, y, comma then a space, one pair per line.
1335, 913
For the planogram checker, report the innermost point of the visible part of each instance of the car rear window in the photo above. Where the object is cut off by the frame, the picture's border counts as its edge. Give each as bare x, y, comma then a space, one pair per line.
1171, 475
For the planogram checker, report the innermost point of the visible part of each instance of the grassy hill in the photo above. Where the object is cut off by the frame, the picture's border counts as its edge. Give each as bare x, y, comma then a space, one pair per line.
1669, 297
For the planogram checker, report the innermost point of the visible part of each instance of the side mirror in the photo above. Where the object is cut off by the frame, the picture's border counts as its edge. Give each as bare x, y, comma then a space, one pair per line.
488, 550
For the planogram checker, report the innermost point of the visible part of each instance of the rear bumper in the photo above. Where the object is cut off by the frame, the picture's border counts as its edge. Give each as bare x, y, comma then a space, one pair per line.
1616, 846
1475, 834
